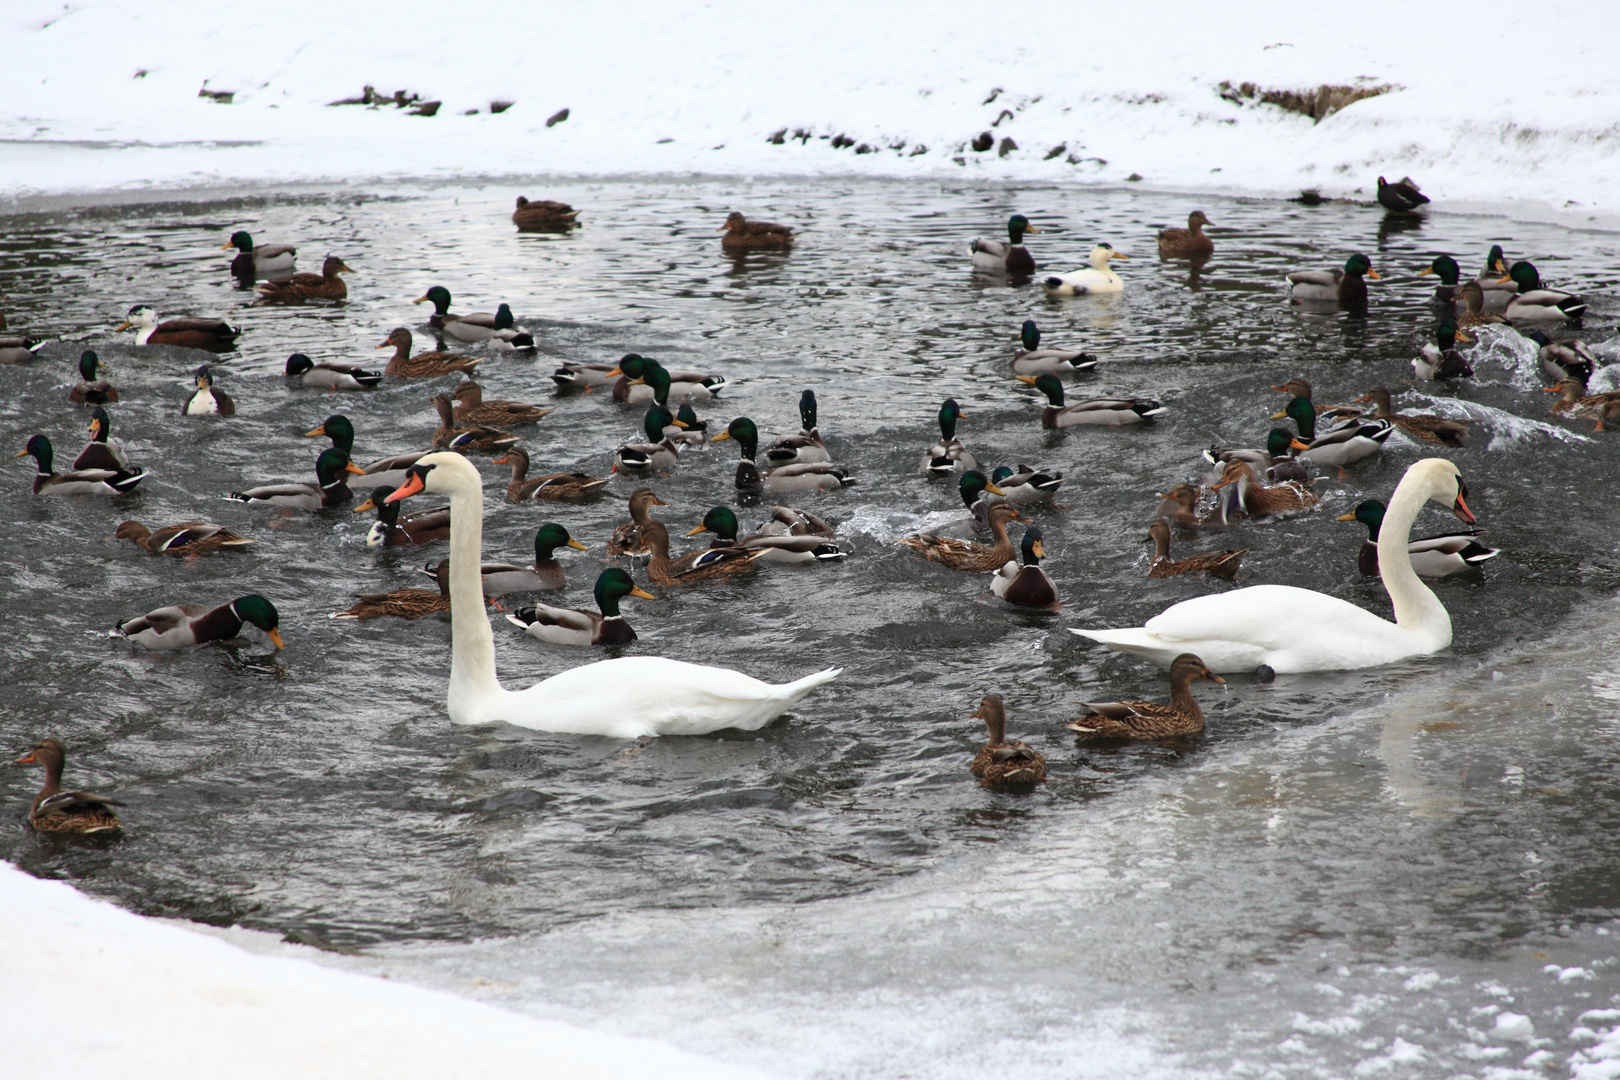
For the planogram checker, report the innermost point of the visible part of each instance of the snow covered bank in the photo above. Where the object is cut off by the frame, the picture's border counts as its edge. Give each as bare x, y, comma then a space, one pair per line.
1498, 102
87, 988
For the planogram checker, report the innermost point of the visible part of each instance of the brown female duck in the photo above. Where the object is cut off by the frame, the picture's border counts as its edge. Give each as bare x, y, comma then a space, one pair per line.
705, 564
745, 235
1151, 719
1179, 506
402, 603
1575, 402
1473, 298
326, 285
1258, 499
58, 811
566, 487
1003, 764
626, 539
964, 555
1425, 426
1223, 564
1188, 243
450, 437
543, 215
471, 408
186, 538
427, 365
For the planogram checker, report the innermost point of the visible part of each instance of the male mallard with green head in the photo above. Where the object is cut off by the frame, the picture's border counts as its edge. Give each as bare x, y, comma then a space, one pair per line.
182, 625
573, 626
1010, 258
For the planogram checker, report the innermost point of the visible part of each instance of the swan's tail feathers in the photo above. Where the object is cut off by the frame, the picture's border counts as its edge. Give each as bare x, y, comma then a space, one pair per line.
1131, 639
796, 690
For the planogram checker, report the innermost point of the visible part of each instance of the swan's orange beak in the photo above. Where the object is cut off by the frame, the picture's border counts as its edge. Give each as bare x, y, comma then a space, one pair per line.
413, 484
1460, 508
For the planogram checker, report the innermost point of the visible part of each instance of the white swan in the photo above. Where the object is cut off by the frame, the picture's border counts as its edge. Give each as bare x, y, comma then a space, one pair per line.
625, 698
1097, 278
1296, 630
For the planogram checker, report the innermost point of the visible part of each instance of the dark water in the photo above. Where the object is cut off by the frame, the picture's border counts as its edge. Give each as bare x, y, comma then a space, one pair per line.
320, 793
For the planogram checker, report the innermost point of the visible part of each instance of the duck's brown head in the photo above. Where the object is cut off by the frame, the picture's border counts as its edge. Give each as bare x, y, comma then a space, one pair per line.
1187, 667
994, 714
734, 220
47, 752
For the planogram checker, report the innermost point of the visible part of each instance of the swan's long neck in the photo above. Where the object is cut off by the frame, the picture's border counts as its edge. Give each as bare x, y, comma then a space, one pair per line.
1417, 609
472, 663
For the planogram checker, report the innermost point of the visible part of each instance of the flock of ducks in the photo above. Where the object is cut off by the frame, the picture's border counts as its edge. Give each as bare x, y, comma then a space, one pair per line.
1263, 629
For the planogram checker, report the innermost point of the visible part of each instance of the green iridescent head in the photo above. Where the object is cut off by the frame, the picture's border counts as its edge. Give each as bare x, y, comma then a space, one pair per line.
1030, 335
949, 413
439, 297
657, 419
551, 536
88, 362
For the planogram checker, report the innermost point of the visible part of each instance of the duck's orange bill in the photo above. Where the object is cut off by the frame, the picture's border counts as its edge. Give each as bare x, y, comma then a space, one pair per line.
419, 299
27, 759
413, 484
722, 437
352, 467
275, 639
1351, 516
369, 504
1460, 508
1040, 552
577, 545
20, 453
1295, 444
613, 374
498, 461
1374, 275
697, 530
1426, 271
643, 593
317, 431
384, 345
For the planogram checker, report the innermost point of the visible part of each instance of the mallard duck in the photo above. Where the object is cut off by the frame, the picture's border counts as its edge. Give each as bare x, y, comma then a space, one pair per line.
687, 429
1536, 301
391, 530
78, 482
471, 408
1032, 359
745, 235
1003, 764
1274, 462
636, 383
326, 285
1401, 197
1026, 484
804, 448
546, 575
791, 521
102, 451
543, 215
428, 365
1496, 286
1425, 426
1095, 279
266, 260
1261, 500
18, 350
626, 539
1347, 287
210, 335
332, 471
56, 811
1179, 506
401, 603
963, 555
186, 538
1300, 386
628, 697
194, 624
1222, 564
1433, 556
658, 452
585, 377
1450, 274
571, 626
1151, 719
811, 476
205, 400
1571, 359
1012, 257
331, 374
1104, 412
1576, 402
1027, 585
705, 564
1188, 243
1440, 359
1347, 444
778, 547
89, 390
947, 455
478, 437
566, 487
473, 327
976, 491
1474, 313
388, 471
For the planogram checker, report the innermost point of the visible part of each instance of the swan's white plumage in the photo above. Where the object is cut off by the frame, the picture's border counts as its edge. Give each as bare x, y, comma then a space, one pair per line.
627, 697
1295, 630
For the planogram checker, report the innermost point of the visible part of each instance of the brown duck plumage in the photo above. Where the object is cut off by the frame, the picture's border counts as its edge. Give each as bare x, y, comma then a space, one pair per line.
428, 365
757, 235
964, 555
543, 215
1425, 426
186, 538
1299, 386
471, 408
1151, 719
1223, 564
568, 487
403, 603
58, 811
1473, 298
626, 539
1574, 401
1000, 763
1180, 506
326, 285
476, 437
705, 564
1262, 499
1188, 243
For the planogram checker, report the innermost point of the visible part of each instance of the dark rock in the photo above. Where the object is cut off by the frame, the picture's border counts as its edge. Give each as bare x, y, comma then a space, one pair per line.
426, 108
556, 118
778, 137
983, 142
1263, 674
1007, 146
498, 107
1057, 151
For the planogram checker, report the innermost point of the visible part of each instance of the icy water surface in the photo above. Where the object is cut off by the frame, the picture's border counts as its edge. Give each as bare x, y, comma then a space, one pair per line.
1347, 871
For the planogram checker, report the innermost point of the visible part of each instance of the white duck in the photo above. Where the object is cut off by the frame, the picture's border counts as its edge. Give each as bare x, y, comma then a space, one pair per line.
625, 698
1097, 278
1294, 630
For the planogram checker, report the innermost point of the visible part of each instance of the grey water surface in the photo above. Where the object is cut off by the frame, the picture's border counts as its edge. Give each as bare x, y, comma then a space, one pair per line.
1356, 871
